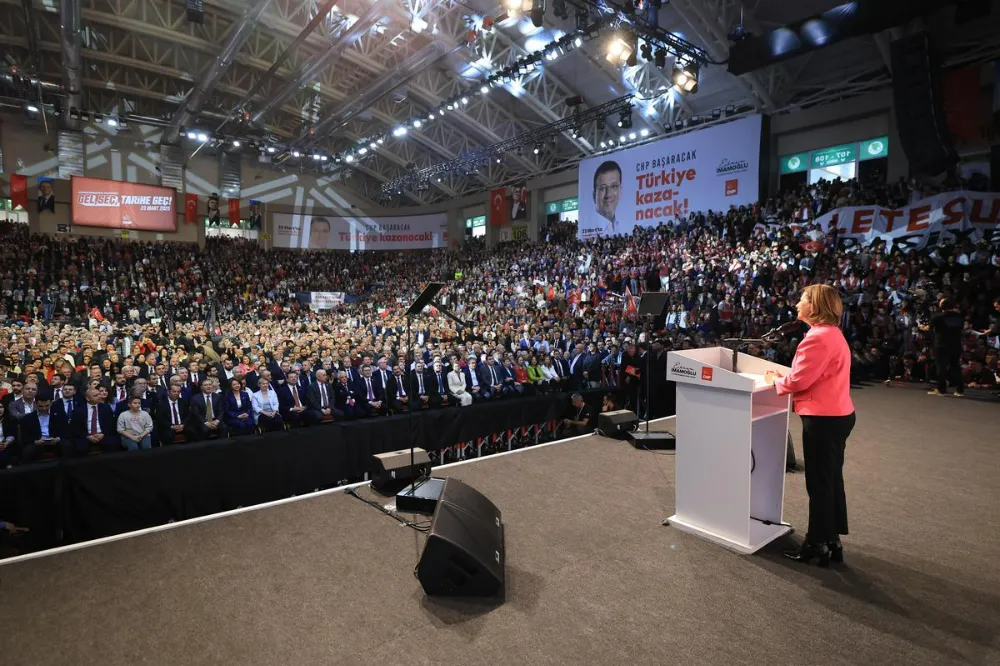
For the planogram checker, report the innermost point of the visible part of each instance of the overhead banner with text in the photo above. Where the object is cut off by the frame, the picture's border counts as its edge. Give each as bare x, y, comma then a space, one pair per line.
112, 203
325, 232
949, 218
710, 169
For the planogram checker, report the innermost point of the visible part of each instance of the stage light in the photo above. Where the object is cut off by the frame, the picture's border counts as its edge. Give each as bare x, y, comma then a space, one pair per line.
337, 158
112, 122
625, 118
537, 12
202, 137
631, 136
604, 144
484, 89
716, 114
730, 109
418, 25
236, 143
537, 149
417, 124
316, 156
296, 153
323, 158
660, 57
399, 131
646, 50
578, 42
499, 160
622, 139
98, 118
430, 116
622, 49
644, 132
363, 151
31, 108
192, 135
271, 150
349, 158
74, 114
380, 141
512, 5
686, 78
465, 100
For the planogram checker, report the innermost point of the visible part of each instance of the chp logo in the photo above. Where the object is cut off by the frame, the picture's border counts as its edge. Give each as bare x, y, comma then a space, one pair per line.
732, 187
706, 373
728, 167
683, 370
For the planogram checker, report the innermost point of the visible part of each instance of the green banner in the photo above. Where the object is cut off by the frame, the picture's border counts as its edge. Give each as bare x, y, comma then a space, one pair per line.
874, 149
794, 163
478, 221
834, 155
562, 206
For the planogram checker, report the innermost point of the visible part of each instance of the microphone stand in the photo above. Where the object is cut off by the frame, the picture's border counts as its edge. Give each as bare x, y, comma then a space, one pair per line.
739, 344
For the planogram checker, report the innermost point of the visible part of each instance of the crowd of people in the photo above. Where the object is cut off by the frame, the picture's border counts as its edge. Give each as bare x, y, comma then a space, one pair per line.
112, 345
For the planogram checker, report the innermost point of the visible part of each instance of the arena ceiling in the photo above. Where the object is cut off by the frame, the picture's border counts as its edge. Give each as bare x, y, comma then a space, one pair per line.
368, 66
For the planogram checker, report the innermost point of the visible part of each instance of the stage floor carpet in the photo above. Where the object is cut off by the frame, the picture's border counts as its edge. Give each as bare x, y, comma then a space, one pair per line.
593, 578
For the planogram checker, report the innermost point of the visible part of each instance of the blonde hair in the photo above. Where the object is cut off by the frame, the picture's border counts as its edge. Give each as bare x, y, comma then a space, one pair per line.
827, 307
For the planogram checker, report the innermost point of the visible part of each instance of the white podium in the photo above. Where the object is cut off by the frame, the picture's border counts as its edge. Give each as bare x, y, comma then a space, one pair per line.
732, 431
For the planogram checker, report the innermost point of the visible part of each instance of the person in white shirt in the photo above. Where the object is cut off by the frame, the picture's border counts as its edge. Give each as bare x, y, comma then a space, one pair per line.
457, 386
265, 407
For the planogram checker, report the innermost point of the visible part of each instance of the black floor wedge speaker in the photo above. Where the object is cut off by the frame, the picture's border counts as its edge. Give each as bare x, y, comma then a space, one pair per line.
464, 553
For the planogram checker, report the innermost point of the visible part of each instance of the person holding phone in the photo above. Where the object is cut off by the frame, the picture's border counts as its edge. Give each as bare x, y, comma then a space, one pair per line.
820, 383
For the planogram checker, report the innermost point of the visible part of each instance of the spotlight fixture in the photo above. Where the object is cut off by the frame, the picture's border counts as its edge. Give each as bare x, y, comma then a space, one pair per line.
499, 160
316, 156
716, 114
578, 41
271, 150
619, 50
296, 153
98, 118
31, 108
465, 100
74, 114
380, 141
192, 135
537, 12
337, 158
625, 119
373, 145
323, 158
644, 133
631, 136
484, 89
236, 143
646, 50
112, 121
399, 131
730, 109
660, 57
537, 149
363, 151
201, 136
685, 78
349, 158
418, 25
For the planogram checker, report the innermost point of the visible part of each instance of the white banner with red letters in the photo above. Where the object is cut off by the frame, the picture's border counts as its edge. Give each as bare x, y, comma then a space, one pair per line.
943, 219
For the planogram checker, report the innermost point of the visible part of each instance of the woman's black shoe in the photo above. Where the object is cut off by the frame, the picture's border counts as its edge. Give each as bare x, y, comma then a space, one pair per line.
836, 551
807, 551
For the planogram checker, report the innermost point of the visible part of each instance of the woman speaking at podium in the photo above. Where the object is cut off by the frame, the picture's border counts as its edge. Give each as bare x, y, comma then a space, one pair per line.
820, 384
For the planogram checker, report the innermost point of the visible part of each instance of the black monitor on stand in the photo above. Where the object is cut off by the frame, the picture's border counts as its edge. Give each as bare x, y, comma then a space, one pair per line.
423, 493
652, 306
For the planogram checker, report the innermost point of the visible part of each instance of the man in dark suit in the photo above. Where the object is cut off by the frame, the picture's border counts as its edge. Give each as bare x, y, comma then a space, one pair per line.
372, 395
42, 430
438, 389
94, 424
205, 418
171, 421
195, 377
161, 378
69, 405
418, 387
306, 376
382, 374
291, 400
347, 399
489, 376
397, 393
320, 401
474, 380
148, 396
561, 368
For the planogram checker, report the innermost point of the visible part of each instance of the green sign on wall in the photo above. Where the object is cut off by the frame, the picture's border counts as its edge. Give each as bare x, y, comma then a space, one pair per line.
562, 206
874, 149
479, 221
833, 156
794, 163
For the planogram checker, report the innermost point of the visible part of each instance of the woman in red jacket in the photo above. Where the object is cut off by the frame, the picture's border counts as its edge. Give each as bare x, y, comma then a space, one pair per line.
820, 385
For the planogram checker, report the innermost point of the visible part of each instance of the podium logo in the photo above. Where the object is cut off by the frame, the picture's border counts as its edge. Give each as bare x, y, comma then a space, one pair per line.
683, 370
732, 187
706, 374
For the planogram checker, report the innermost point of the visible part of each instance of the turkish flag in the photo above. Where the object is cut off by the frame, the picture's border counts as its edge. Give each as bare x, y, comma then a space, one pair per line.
19, 191
234, 212
190, 208
498, 207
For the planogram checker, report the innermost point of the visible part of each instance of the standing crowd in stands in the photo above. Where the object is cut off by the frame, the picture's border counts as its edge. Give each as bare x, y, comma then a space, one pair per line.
112, 345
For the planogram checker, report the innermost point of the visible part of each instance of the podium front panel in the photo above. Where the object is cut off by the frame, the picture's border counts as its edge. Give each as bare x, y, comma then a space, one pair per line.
713, 460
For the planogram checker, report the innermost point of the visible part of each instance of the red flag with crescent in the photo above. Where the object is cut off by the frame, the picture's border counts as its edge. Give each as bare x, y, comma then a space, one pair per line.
190, 208
498, 207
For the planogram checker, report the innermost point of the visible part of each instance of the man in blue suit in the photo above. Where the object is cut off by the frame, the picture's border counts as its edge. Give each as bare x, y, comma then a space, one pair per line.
94, 425
42, 430
491, 375
474, 380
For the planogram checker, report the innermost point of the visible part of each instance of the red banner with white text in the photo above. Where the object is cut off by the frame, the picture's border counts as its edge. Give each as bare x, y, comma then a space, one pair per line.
944, 219
19, 191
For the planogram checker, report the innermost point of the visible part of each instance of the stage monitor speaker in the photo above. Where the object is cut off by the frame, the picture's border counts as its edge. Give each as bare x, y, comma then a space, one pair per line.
391, 471
464, 553
617, 422
920, 117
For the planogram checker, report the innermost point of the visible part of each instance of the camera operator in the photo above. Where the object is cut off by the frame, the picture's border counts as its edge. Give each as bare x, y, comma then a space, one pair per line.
947, 326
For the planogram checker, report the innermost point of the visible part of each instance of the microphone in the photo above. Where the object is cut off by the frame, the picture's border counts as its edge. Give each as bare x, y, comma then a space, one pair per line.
783, 330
